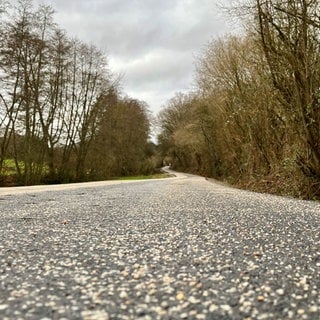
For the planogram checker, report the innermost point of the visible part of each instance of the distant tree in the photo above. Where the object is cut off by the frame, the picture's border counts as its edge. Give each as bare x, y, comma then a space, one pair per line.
234, 75
120, 144
232, 125
179, 139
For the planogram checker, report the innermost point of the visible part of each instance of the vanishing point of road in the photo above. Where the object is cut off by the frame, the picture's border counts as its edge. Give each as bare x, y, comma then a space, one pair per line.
176, 248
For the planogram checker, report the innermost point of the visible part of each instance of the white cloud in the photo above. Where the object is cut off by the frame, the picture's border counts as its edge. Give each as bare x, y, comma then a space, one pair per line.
151, 42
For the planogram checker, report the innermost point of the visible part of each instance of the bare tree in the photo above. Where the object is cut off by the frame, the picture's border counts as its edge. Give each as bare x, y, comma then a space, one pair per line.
16, 96
51, 114
289, 33
88, 78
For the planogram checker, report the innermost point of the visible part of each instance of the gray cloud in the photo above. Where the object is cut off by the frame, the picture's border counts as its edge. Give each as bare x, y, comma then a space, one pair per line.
152, 42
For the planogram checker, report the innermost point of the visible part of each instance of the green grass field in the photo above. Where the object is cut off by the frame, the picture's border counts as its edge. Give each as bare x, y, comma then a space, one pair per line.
145, 177
9, 171
9, 166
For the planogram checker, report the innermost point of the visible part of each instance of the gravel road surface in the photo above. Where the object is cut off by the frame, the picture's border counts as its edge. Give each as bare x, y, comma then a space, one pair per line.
177, 248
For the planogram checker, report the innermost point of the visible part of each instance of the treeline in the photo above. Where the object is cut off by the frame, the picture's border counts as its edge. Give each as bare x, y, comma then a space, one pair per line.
254, 118
61, 115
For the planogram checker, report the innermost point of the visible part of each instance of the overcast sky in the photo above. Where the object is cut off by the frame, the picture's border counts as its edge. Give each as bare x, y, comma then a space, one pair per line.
153, 43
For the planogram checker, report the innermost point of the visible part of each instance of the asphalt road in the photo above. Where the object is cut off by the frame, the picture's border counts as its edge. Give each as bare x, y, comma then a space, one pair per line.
177, 248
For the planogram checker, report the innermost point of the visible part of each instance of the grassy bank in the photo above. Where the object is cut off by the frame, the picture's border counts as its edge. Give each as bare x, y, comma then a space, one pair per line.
146, 177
